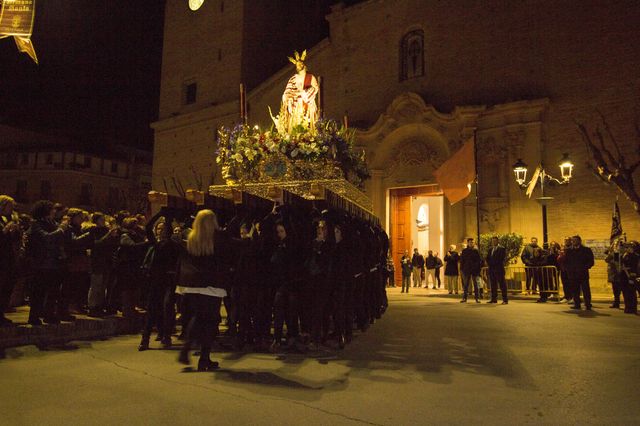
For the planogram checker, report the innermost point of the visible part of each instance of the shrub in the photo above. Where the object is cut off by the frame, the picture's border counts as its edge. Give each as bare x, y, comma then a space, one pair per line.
512, 243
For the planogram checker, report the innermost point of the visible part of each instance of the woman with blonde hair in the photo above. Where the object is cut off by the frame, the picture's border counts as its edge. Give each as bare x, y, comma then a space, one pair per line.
201, 280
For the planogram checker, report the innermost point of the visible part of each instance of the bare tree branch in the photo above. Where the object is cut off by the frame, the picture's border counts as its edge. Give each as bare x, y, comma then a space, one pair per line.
197, 178
622, 176
608, 130
613, 162
595, 172
601, 164
177, 184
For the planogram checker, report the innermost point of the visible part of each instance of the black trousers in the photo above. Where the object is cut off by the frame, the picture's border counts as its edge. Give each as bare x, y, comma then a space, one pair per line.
74, 290
567, 285
45, 294
160, 308
247, 310
264, 295
581, 284
203, 326
616, 286
359, 301
285, 308
349, 309
339, 308
8, 279
320, 291
496, 278
630, 296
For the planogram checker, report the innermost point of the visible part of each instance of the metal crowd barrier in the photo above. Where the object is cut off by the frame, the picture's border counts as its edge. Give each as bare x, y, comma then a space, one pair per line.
541, 279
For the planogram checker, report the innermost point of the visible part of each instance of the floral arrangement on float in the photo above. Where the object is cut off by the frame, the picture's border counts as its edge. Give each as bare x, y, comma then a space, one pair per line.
246, 153
299, 145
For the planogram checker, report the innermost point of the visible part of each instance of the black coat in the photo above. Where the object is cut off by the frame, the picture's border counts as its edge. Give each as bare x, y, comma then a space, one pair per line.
45, 245
417, 261
451, 268
496, 258
200, 271
578, 262
319, 258
343, 267
470, 261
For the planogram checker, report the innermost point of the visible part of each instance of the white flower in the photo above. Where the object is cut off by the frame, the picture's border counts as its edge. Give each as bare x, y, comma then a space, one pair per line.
294, 152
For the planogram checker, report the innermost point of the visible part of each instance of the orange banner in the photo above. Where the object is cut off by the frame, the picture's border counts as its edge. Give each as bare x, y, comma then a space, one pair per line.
456, 174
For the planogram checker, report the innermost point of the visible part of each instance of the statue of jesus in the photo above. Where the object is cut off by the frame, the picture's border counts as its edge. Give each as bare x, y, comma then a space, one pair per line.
299, 98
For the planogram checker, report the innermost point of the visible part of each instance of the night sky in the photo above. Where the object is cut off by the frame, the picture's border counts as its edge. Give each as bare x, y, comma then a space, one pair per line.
99, 71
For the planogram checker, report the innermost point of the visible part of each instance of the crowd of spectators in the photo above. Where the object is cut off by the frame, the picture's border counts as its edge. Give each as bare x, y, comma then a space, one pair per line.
66, 261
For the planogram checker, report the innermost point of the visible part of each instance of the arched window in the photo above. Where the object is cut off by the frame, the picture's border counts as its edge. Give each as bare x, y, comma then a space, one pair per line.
412, 55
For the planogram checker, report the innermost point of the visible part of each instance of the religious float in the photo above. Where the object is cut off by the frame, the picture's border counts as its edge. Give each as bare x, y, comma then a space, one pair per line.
302, 154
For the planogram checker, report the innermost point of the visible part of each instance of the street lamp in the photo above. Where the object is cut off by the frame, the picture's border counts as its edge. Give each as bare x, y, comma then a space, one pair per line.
540, 175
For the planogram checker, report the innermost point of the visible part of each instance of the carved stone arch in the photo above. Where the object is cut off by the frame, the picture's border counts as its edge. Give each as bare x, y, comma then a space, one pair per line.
410, 145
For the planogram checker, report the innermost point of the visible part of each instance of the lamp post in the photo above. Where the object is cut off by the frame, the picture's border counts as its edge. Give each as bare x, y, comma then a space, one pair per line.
541, 176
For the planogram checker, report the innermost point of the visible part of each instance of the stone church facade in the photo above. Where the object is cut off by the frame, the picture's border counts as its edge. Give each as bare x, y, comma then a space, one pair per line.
417, 78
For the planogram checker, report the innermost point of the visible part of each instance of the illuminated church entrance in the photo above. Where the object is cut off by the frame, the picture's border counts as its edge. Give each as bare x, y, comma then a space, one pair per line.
416, 220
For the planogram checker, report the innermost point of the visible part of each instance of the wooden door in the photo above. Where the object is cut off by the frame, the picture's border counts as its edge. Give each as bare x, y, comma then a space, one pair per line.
400, 230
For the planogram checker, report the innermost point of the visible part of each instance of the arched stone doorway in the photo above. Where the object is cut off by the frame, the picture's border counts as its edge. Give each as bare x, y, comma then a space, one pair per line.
407, 143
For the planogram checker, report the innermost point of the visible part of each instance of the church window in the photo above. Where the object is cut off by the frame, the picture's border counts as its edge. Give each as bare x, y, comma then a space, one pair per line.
412, 55
190, 93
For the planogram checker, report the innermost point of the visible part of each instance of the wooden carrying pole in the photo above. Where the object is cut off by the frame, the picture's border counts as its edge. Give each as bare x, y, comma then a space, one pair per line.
243, 104
320, 98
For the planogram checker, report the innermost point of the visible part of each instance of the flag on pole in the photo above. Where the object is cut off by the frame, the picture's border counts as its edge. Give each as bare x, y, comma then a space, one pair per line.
25, 45
533, 182
616, 225
456, 174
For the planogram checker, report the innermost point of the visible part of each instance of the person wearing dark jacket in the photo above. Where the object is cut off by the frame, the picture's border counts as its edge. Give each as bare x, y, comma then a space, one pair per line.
417, 261
496, 258
105, 241
45, 248
470, 265
405, 264
160, 267
203, 283
10, 243
527, 257
439, 266
578, 262
76, 283
246, 281
283, 262
451, 269
317, 265
629, 266
129, 258
430, 263
340, 277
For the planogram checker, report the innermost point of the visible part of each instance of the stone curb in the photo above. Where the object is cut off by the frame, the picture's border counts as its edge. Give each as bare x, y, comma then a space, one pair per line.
55, 334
